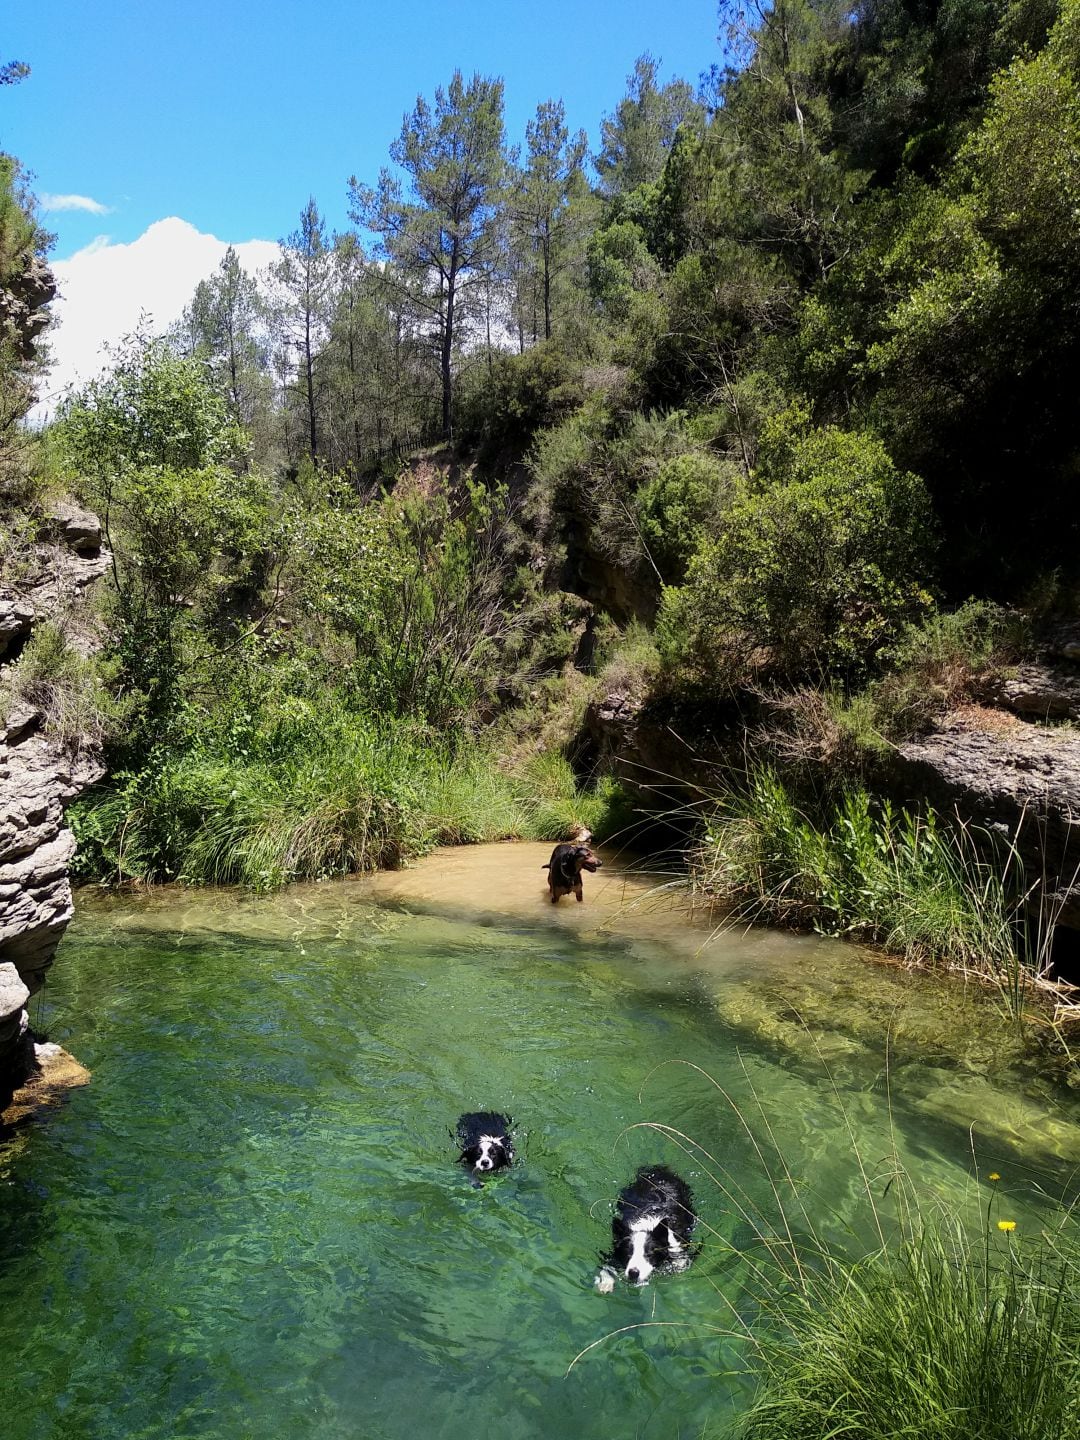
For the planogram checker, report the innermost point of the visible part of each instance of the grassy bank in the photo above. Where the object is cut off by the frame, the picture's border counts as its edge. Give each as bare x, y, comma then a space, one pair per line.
917, 1312
365, 797
908, 882
939, 1335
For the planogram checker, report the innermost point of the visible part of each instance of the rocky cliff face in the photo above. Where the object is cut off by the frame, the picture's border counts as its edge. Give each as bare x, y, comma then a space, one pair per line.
38, 778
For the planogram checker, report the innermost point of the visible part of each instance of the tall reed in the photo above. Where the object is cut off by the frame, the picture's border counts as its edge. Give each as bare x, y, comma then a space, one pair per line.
903, 880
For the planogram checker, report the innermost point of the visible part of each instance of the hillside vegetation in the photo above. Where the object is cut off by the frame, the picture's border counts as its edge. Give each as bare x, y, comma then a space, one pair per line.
761, 415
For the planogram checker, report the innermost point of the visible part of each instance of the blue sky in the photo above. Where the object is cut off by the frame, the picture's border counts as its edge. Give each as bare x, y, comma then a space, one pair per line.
159, 131
229, 115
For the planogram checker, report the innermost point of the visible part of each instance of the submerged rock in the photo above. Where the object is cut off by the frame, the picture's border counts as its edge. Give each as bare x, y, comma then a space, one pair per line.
51, 1073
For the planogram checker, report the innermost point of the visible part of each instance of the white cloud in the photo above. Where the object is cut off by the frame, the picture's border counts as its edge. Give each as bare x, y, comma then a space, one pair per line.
53, 203
104, 288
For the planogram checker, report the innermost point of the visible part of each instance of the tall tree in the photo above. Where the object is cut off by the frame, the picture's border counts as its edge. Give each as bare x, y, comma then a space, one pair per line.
637, 139
779, 116
442, 239
553, 170
303, 276
222, 323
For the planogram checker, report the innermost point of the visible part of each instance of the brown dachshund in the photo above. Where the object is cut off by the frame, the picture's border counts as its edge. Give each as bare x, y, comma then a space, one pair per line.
565, 867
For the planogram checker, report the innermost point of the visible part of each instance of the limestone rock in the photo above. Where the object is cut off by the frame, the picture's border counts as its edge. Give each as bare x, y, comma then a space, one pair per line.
78, 529
23, 298
1022, 783
16, 618
13, 1019
38, 778
1040, 691
19, 721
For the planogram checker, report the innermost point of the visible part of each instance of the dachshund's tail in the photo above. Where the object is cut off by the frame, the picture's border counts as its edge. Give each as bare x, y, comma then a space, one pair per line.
547, 866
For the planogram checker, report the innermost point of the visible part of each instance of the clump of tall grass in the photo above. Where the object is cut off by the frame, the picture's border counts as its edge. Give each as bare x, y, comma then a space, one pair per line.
900, 879
358, 797
937, 1336
67, 689
215, 819
554, 806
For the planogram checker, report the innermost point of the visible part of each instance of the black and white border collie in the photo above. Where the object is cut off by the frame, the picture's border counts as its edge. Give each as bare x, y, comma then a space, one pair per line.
650, 1230
486, 1146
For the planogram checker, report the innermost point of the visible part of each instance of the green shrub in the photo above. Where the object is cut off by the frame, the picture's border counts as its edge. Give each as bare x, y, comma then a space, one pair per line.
815, 572
152, 447
674, 506
637, 490
416, 588
554, 806
516, 396
629, 660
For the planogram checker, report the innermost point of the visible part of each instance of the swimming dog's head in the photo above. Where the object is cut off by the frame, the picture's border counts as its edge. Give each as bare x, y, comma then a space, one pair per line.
485, 1142
490, 1152
650, 1230
645, 1246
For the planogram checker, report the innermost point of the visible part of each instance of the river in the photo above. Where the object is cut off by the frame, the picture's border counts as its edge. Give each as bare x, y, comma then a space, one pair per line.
250, 1222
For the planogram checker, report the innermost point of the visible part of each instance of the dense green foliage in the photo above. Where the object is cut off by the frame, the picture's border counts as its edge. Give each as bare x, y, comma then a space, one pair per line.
781, 381
906, 881
817, 561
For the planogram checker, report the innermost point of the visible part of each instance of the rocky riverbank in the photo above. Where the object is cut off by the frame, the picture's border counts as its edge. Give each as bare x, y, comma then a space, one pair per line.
1007, 768
39, 776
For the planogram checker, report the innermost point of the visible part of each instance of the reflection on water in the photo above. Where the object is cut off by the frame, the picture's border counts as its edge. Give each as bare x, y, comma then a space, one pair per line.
250, 1224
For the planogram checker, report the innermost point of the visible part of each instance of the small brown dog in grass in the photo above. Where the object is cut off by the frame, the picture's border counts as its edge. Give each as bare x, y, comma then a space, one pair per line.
566, 864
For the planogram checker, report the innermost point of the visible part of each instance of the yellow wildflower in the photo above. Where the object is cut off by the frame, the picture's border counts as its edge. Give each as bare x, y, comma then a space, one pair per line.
1007, 1225
993, 1175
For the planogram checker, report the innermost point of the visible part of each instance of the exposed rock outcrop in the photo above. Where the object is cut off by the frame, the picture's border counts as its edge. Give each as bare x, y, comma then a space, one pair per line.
38, 777
23, 299
78, 529
644, 741
1019, 779
1040, 692
16, 618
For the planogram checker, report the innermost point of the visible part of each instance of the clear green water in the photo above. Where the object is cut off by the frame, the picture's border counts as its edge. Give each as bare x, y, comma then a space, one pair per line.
250, 1224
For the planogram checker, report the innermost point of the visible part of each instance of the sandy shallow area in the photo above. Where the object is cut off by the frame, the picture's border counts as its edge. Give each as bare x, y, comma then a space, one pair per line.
486, 885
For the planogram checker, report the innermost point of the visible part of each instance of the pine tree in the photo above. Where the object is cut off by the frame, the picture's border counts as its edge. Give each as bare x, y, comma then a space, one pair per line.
542, 198
303, 277
442, 240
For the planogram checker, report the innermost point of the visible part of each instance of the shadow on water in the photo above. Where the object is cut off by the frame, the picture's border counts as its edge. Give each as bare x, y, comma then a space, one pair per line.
251, 1222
